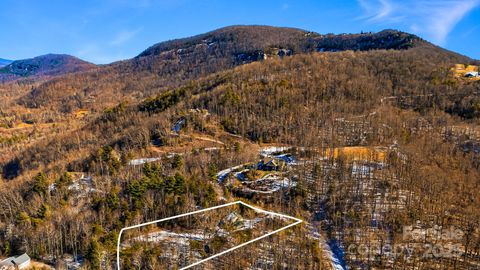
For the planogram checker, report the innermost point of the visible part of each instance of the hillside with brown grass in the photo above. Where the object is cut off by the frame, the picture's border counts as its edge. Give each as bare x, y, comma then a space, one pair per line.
380, 133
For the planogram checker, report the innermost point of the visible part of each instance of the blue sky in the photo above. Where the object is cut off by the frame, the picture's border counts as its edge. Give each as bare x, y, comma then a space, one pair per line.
103, 31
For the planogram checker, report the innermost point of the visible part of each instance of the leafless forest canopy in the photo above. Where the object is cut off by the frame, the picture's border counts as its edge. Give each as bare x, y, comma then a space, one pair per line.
69, 143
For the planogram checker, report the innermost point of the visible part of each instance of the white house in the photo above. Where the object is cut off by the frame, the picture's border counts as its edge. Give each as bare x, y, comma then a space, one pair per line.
20, 262
471, 74
7, 264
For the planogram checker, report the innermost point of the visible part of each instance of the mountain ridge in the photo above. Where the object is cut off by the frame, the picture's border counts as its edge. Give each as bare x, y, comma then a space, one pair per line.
254, 38
4, 62
170, 64
48, 65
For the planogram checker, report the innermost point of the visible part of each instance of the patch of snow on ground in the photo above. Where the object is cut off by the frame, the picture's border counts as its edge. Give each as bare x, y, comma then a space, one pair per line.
249, 223
269, 184
331, 249
171, 155
241, 175
181, 238
224, 173
336, 254
83, 185
141, 161
211, 149
269, 151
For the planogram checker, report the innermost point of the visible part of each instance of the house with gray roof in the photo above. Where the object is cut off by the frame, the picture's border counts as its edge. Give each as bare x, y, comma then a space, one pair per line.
14, 263
7, 264
22, 261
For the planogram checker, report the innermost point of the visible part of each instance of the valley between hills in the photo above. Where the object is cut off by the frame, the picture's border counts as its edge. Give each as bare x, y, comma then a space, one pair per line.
371, 139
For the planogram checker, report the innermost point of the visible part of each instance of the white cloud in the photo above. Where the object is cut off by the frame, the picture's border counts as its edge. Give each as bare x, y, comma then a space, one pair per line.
377, 10
433, 18
123, 37
446, 15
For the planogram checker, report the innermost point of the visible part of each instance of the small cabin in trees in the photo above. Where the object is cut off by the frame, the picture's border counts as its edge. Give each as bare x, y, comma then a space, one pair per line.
19, 262
471, 74
7, 264
22, 261
179, 125
271, 165
469, 71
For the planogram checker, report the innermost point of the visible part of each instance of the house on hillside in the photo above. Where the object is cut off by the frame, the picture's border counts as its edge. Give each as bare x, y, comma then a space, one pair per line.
22, 261
271, 165
179, 125
16, 263
471, 74
7, 264
468, 71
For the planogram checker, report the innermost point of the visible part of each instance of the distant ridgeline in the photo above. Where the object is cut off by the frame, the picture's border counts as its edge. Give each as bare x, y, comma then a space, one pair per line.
41, 67
4, 62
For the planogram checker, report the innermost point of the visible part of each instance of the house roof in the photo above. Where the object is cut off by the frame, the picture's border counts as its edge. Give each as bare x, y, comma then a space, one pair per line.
271, 162
7, 261
471, 74
21, 259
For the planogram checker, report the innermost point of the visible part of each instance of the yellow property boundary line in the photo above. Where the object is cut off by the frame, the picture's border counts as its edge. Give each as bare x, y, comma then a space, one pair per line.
297, 221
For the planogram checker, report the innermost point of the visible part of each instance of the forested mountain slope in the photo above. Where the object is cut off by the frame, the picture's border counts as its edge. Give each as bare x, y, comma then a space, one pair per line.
172, 63
282, 100
44, 66
196, 119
